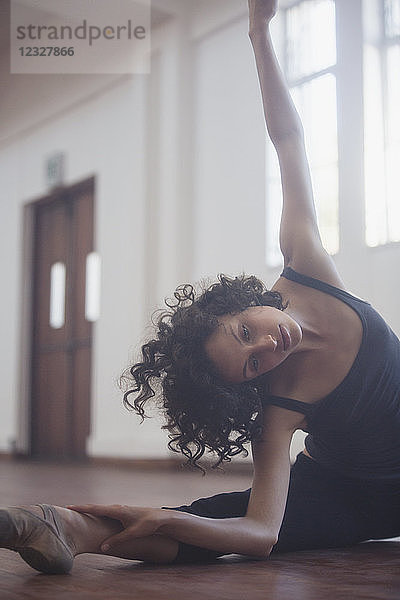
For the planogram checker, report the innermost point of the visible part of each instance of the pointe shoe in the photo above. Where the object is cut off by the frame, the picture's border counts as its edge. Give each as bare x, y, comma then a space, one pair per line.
41, 542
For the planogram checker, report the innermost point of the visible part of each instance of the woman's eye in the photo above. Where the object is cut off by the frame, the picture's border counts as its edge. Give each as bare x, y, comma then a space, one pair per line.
254, 364
246, 333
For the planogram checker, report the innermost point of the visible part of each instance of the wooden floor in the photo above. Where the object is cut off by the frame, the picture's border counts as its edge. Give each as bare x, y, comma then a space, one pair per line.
369, 571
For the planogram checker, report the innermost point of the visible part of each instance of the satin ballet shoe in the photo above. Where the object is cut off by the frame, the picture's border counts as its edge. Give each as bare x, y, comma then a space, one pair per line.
41, 542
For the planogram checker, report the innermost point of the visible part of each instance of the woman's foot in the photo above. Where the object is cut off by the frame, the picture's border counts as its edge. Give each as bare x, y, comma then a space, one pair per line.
49, 537
39, 534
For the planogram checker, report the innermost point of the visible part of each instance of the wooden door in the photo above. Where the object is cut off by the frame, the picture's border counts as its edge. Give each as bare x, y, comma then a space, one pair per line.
62, 336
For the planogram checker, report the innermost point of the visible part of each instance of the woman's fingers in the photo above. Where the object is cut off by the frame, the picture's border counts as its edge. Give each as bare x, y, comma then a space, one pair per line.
126, 535
262, 10
136, 521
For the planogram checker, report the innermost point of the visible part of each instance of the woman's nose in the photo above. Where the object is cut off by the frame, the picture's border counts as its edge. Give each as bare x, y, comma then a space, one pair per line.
268, 343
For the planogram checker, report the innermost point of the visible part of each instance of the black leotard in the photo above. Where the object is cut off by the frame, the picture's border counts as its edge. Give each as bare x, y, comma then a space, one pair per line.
356, 428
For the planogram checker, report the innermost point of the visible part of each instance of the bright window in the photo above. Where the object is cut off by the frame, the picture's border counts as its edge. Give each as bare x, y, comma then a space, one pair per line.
308, 57
382, 120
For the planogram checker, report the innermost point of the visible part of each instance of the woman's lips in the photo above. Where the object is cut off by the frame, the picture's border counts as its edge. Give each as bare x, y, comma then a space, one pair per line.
286, 340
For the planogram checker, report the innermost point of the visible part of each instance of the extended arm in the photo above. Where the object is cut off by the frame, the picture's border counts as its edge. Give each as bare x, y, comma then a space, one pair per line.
256, 533
253, 534
239, 535
300, 240
281, 116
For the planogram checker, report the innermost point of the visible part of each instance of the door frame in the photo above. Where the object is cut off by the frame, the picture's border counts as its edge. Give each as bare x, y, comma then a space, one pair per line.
21, 445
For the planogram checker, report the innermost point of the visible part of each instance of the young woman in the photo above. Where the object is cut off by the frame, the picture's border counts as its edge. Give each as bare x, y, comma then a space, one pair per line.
240, 363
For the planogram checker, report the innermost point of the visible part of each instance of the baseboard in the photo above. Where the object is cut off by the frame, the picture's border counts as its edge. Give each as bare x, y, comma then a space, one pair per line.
168, 464
171, 464
6, 456
139, 464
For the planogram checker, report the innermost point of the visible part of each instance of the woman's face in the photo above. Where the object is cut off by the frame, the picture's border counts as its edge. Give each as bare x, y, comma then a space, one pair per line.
251, 343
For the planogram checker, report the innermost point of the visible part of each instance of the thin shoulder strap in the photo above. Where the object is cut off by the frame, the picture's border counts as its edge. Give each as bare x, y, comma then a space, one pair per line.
289, 404
317, 284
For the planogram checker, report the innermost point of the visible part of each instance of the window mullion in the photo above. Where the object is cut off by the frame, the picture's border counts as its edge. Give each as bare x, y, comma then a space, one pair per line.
302, 80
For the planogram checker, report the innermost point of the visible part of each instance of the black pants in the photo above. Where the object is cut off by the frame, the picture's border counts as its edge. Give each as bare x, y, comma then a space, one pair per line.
323, 510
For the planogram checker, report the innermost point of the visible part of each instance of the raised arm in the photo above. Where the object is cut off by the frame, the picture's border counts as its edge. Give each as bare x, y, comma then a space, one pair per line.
300, 240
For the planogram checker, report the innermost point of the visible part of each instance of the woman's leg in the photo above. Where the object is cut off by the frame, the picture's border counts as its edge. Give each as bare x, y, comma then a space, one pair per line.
323, 510
49, 537
88, 533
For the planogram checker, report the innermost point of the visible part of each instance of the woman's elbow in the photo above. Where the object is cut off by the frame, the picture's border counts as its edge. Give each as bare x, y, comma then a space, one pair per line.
262, 548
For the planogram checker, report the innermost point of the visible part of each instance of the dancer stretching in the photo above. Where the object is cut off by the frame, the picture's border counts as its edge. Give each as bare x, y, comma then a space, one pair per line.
241, 363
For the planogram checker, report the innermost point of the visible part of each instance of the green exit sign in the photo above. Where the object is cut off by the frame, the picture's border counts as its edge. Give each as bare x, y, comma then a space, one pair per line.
55, 167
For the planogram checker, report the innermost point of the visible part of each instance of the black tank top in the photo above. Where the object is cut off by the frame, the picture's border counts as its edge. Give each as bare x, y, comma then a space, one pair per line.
356, 428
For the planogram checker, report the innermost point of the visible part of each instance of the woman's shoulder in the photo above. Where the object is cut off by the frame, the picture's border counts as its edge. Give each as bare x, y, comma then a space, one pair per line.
321, 268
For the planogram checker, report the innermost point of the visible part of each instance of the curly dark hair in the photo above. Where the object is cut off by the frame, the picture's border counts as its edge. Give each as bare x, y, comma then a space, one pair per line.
202, 411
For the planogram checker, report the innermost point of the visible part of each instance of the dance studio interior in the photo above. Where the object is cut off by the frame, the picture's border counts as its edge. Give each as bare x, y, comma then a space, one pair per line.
118, 186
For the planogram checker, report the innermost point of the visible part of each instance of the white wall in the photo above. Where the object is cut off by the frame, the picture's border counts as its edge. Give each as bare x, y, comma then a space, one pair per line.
178, 158
10, 242
229, 156
104, 137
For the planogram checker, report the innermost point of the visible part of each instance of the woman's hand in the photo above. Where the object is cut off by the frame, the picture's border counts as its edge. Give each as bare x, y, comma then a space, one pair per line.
137, 521
261, 12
